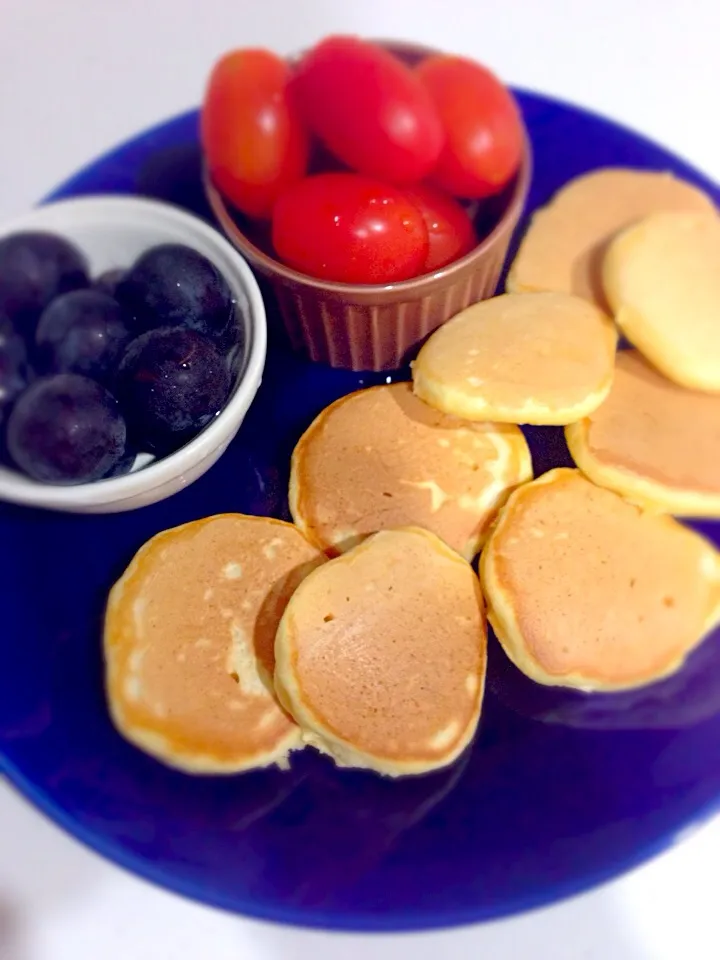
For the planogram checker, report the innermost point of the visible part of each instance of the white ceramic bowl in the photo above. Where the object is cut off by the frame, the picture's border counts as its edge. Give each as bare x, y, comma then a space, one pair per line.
113, 232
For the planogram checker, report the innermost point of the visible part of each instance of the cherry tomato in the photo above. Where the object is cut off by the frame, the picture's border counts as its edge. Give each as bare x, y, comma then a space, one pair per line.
254, 141
451, 233
349, 228
369, 109
483, 131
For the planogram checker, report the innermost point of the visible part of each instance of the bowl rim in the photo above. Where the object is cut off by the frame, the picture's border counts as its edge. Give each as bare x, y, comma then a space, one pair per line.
415, 287
102, 209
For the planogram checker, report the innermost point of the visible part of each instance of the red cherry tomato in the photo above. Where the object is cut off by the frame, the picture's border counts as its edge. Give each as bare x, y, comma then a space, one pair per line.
451, 233
254, 141
483, 131
369, 108
349, 228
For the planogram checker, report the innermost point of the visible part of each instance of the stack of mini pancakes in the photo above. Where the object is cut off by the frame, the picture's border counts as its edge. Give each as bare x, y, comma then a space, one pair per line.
361, 628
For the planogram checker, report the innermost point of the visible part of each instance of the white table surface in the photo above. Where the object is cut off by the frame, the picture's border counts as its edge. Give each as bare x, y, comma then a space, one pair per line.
76, 77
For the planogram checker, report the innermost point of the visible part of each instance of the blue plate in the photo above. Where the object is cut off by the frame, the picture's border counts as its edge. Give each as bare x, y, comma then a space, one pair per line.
560, 791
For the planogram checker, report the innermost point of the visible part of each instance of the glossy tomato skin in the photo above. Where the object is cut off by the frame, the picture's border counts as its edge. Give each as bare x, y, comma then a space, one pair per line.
451, 233
369, 109
350, 229
483, 130
254, 141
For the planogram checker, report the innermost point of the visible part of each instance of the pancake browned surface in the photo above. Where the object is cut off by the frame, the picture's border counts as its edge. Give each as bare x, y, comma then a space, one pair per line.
381, 458
653, 441
566, 241
540, 358
586, 590
189, 643
662, 279
381, 654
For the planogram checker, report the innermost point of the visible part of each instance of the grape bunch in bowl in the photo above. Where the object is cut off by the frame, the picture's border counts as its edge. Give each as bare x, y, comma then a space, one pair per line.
112, 366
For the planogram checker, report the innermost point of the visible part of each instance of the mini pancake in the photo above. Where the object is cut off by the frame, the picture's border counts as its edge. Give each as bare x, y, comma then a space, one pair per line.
381, 458
662, 279
538, 358
586, 590
566, 241
189, 643
381, 654
653, 441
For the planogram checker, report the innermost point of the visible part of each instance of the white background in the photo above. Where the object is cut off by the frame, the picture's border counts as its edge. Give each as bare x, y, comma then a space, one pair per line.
76, 77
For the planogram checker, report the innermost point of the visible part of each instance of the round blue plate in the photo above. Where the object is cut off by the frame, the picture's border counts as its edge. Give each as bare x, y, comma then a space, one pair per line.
559, 792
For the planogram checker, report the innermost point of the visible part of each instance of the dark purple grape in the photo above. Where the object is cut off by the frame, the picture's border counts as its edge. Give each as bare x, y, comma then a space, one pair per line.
108, 281
171, 383
124, 465
173, 285
234, 352
82, 332
66, 429
14, 370
6, 324
232, 343
34, 268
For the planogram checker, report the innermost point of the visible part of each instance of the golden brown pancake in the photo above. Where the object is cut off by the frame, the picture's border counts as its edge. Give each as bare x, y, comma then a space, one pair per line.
653, 441
566, 241
189, 643
381, 458
381, 654
586, 590
540, 358
662, 279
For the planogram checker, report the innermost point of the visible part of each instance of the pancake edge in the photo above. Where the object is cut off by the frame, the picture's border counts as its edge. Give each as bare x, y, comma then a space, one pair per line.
315, 734
638, 328
647, 493
149, 741
457, 403
335, 548
331, 549
559, 199
504, 622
